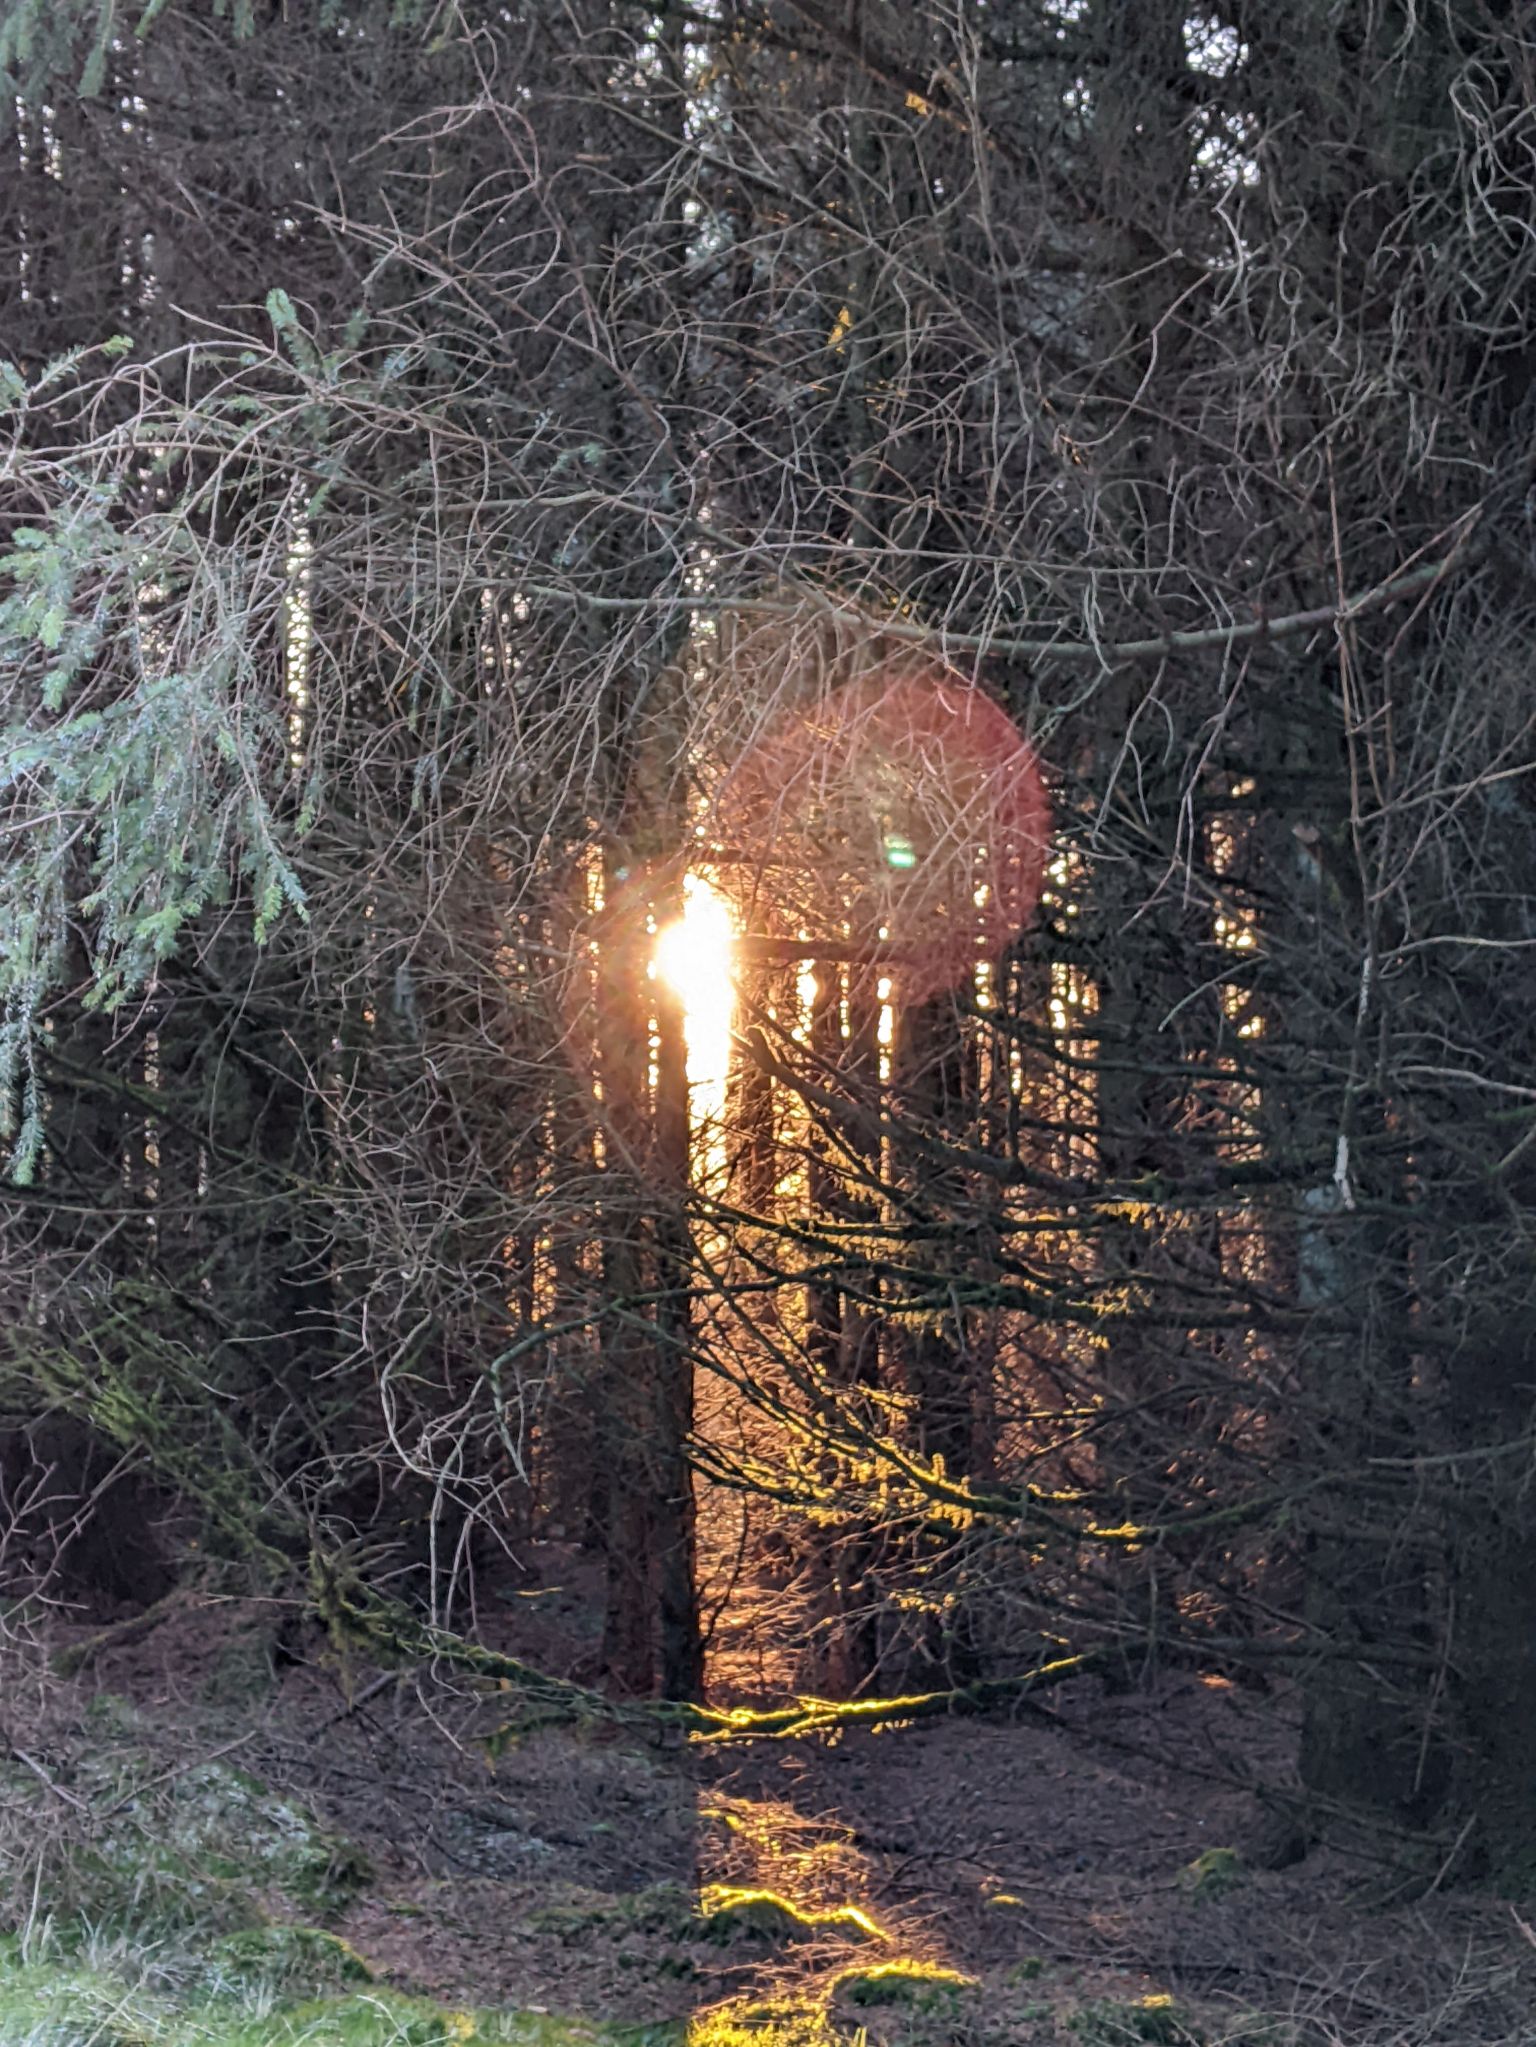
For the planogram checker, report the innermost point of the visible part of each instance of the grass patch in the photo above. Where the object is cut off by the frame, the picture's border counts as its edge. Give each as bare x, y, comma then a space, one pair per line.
104, 2006
112, 2003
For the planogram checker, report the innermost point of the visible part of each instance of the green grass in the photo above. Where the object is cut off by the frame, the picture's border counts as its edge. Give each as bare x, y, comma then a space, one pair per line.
45, 2006
102, 2005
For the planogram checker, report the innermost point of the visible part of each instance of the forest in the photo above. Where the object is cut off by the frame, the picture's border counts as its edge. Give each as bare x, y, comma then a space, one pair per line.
767, 1023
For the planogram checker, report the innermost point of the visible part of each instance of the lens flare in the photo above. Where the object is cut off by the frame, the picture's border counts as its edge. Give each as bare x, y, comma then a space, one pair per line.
900, 820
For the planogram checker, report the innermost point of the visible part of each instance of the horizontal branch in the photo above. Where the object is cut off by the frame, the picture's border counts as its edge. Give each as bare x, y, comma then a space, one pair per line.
1104, 653
389, 1630
826, 1716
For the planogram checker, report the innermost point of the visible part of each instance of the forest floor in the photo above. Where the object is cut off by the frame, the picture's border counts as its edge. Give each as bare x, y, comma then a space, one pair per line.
1072, 1876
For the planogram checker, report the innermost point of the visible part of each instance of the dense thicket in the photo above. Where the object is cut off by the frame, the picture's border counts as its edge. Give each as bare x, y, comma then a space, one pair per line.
441, 444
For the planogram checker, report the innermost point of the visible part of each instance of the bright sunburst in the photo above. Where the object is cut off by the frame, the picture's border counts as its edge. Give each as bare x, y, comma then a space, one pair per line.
693, 957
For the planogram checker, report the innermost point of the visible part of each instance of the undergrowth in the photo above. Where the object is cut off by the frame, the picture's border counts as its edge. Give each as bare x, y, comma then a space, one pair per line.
101, 1832
147, 1902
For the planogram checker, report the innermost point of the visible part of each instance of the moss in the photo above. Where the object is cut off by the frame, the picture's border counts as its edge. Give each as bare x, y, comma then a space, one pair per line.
1155, 2020
110, 1713
1212, 1873
725, 1912
918, 1986
243, 1671
1029, 1970
770, 2022
240, 1820
664, 1909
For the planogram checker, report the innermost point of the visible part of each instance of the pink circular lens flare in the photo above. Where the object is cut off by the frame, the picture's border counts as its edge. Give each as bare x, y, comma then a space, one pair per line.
901, 819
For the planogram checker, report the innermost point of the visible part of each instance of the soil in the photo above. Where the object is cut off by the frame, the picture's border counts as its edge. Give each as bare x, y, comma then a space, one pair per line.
1072, 1854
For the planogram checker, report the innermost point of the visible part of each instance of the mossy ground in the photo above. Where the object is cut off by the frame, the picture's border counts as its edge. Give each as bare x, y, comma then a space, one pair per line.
1213, 1872
912, 1985
340, 1865
181, 1901
726, 1910
1153, 2021
158, 1905
168, 1905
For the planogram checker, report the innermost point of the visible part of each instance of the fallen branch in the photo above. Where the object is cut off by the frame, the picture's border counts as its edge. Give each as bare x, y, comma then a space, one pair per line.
827, 1716
43, 1777
386, 1628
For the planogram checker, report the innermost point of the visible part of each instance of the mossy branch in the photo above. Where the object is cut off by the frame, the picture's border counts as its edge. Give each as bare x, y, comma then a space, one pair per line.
361, 1617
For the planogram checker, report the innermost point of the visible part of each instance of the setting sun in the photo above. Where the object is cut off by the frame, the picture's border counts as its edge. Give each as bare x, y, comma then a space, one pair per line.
693, 957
